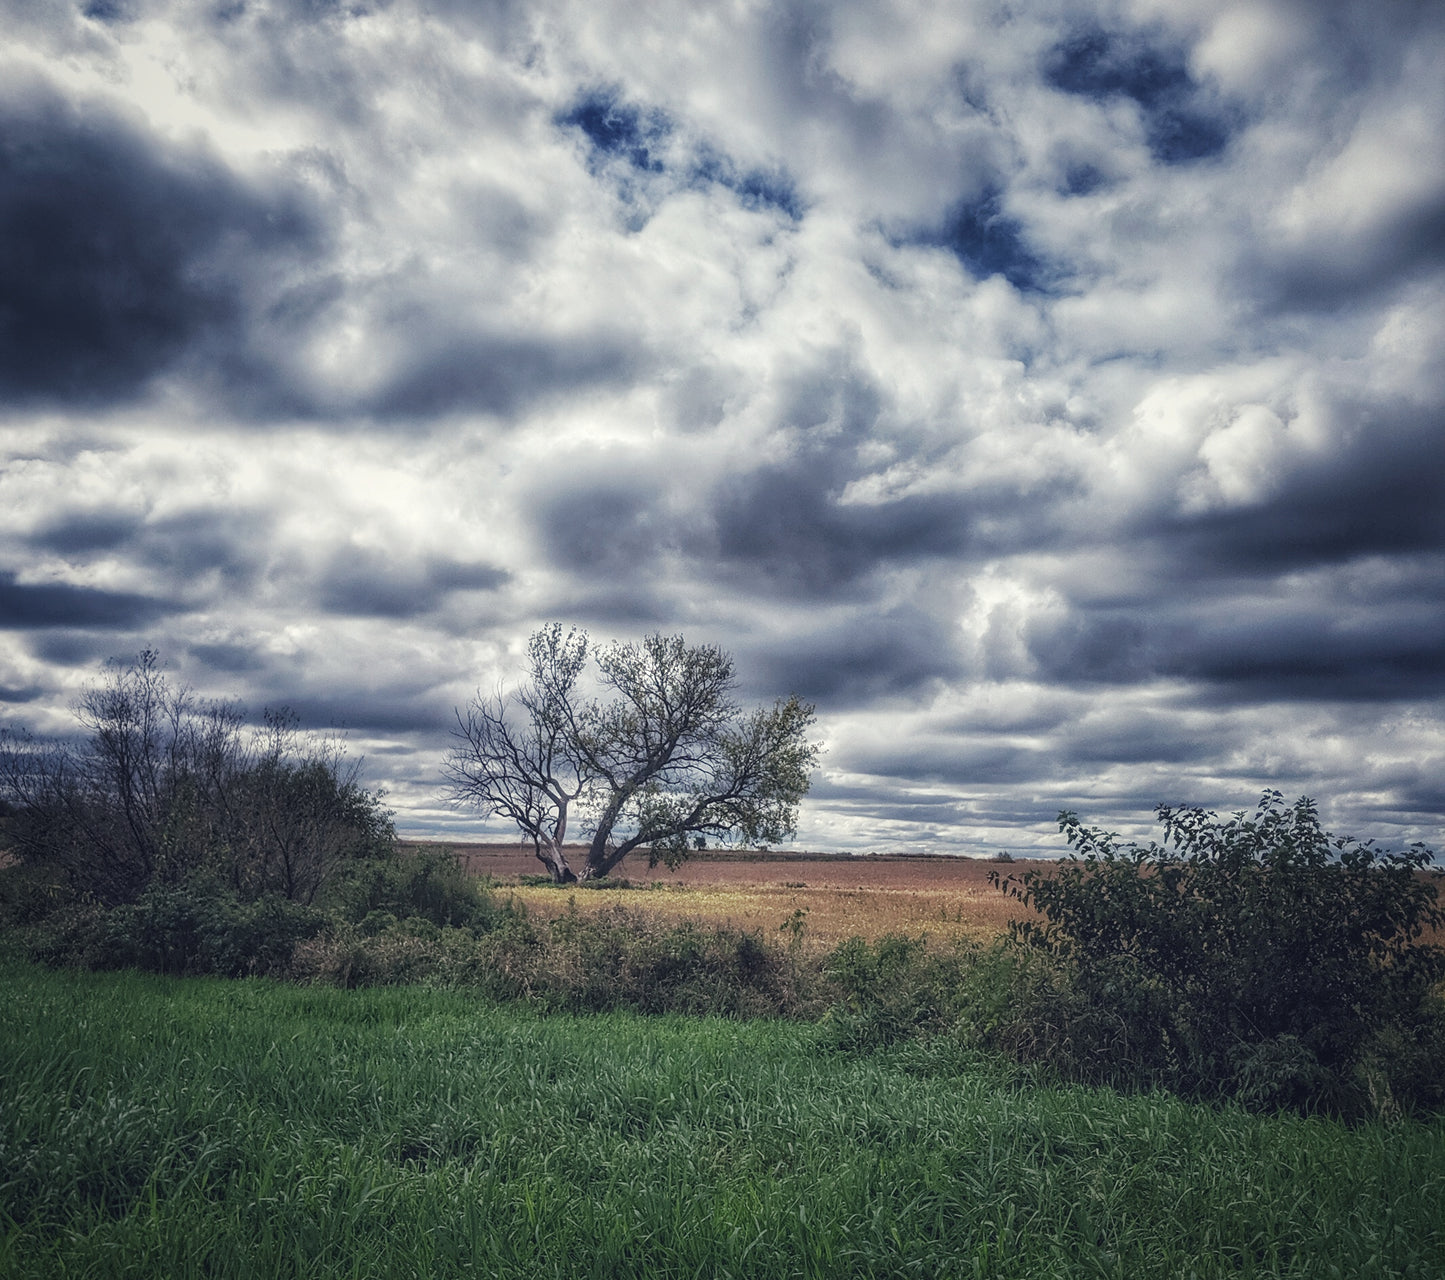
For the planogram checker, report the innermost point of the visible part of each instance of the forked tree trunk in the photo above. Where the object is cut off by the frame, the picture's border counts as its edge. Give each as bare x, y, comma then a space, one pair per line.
550, 855
601, 860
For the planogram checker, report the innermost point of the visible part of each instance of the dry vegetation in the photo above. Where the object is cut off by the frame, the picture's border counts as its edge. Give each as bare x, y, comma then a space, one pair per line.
839, 896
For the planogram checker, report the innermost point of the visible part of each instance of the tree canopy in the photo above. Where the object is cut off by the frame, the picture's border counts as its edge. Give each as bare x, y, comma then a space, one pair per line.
659, 754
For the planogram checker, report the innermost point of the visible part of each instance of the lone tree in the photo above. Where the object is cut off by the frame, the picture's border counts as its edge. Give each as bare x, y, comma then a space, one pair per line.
664, 754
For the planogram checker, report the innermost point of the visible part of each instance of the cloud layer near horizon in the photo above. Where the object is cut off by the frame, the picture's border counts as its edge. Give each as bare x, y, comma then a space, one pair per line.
1052, 395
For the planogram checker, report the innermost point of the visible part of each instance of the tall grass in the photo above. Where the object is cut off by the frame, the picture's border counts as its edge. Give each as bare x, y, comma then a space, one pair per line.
179, 1127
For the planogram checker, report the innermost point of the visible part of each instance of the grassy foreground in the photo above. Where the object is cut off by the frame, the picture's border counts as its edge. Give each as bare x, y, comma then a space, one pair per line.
175, 1127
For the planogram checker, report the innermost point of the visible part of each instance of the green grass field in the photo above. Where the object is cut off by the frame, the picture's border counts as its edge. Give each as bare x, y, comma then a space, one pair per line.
157, 1127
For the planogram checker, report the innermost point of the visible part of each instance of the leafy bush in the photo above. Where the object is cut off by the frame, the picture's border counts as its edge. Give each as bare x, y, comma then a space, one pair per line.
159, 786
617, 959
1259, 957
894, 989
585, 963
430, 884
194, 926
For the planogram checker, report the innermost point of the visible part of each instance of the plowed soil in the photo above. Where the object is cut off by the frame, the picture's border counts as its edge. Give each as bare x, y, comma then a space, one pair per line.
837, 895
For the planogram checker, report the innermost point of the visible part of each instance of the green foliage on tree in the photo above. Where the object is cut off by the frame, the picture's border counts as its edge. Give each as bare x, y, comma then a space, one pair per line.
659, 757
1259, 956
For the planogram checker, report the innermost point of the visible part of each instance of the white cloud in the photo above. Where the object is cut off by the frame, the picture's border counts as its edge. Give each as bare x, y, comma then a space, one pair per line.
921, 375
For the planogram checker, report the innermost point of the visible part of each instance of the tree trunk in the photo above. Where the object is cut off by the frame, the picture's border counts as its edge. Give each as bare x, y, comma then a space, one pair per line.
601, 860
550, 855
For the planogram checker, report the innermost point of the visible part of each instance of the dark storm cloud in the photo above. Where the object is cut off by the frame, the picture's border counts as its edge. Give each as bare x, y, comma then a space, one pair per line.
781, 529
940, 807
363, 711
181, 547
86, 532
66, 648
882, 654
1331, 590
1093, 647
233, 659
119, 256
31, 606
365, 583
1138, 736
1329, 645
500, 373
1182, 121
953, 762
123, 258
617, 525
1315, 654
232, 544
1424, 792
1383, 492
1336, 271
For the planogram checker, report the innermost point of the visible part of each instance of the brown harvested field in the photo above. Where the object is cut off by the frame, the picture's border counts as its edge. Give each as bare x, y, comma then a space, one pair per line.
839, 895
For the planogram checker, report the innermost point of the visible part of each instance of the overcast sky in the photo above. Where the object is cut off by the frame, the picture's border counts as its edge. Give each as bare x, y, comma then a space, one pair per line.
1051, 392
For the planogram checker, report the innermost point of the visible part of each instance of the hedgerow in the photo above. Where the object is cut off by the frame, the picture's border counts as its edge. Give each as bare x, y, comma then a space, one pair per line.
1259, 959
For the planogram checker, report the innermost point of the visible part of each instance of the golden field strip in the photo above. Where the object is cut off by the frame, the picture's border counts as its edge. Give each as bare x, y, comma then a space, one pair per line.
945, 898
839, 896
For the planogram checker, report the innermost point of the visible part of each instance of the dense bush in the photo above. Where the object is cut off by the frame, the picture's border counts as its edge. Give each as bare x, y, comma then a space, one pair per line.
159, 787
615, 959
198, 926
895, 989
1258, 957
193, 926
430, 884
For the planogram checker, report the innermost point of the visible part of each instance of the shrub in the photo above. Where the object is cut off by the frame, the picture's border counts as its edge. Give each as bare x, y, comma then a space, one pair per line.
617, 959
429, 884
159, 786
193, 926
1259, 957
895, 989
584, 963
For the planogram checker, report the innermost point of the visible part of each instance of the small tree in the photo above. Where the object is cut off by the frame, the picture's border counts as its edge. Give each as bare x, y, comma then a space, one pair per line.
667, 757
1259, 956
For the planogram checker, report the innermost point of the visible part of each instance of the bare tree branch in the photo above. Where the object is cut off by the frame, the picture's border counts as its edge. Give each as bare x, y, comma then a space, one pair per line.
669, 755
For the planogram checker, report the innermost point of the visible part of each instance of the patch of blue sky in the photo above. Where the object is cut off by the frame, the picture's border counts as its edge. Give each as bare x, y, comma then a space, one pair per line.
620, 130
1083, 180
1181, 121
641, 138
106, 11
989, 242
755, 188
